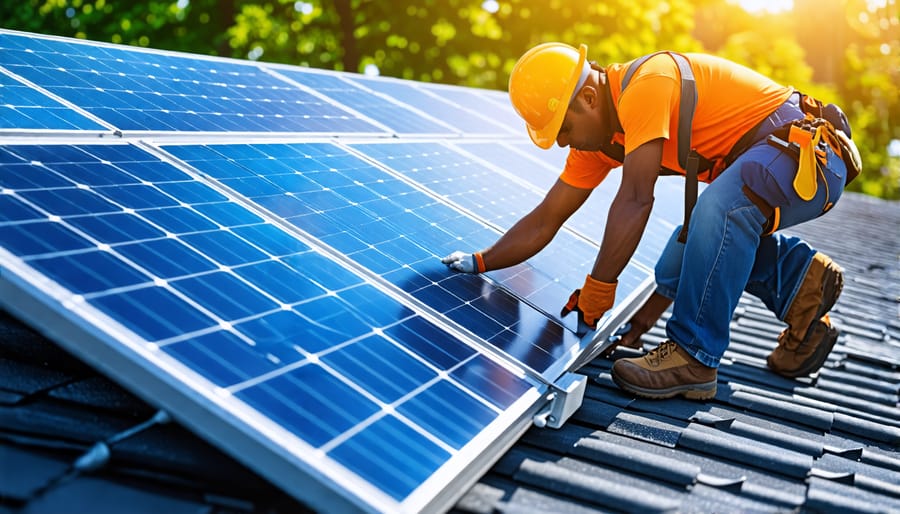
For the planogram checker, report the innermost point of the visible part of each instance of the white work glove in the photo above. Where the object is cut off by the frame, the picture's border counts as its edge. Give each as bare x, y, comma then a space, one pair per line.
462, 262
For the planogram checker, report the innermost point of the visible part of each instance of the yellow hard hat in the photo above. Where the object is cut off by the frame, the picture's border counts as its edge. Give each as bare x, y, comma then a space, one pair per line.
543, 83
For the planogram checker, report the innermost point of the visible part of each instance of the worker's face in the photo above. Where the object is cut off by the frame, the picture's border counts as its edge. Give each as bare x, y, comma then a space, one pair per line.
579, 128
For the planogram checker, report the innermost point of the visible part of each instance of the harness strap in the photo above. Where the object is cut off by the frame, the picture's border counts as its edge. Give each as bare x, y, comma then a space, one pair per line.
688, 158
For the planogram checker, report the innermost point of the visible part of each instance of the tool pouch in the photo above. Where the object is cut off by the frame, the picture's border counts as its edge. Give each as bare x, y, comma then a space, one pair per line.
840, 127
807, 129
787, 194
850, 155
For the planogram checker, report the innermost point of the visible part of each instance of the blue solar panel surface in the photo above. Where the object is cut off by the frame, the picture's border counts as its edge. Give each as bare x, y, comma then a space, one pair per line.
254, 310
541, 169
286, 281
394, 230
463, 114
385, 110
556, 271
135, 90
22, 107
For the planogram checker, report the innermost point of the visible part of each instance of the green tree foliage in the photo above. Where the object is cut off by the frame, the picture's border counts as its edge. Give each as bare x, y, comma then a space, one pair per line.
868, 84
844, 51
196, 27
454, 41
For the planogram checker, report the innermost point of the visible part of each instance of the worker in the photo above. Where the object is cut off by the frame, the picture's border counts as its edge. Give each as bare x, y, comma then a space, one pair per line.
668, 113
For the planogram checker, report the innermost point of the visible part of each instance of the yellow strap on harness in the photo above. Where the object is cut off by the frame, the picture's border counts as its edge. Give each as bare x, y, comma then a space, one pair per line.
805, 180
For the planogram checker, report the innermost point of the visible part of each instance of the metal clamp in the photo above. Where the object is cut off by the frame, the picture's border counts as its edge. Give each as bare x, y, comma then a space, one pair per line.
565, 398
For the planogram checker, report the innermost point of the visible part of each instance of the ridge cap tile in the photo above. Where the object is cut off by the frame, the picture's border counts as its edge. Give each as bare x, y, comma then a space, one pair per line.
877, 412
881, 458
597, 413
869, 429
704, 498
841, 463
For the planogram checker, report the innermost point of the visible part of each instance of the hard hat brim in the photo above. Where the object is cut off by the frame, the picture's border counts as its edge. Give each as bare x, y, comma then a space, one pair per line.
545, 136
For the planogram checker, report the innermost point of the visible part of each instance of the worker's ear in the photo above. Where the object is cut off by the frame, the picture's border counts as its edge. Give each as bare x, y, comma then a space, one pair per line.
590, 97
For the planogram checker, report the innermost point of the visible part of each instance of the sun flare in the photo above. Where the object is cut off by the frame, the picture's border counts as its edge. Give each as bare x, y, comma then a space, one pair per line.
770, 6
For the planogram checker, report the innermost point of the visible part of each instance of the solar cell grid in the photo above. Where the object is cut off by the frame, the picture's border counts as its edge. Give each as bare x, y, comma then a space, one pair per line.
22, 107
556, 271
534, 167
483, 105
384, 225
308, 344
397, 117
136, 90
435, 102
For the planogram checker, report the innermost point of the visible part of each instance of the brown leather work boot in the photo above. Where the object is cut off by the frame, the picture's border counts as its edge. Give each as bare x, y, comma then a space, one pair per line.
800, 358
805, 344
665, 371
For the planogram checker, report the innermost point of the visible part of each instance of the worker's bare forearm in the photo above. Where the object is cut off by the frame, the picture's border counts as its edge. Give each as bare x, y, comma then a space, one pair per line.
521, 242
624, 228
536, 229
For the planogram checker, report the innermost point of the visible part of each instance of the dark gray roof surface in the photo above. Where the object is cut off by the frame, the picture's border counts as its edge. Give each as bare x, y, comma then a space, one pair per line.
764, 444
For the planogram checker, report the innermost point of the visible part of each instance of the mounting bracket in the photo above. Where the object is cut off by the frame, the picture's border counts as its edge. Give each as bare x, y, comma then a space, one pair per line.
565, 397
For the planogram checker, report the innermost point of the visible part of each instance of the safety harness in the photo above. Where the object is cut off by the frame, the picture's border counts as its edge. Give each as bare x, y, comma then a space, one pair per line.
837, 127
688, 158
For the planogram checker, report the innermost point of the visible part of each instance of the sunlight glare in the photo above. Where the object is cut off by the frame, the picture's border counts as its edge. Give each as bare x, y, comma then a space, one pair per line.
768, 6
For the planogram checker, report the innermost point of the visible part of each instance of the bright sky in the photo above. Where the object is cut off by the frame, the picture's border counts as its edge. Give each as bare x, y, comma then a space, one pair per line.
773, 6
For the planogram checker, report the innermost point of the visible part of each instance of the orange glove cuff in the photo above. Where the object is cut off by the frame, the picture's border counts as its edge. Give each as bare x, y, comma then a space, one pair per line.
479, 262
596, 298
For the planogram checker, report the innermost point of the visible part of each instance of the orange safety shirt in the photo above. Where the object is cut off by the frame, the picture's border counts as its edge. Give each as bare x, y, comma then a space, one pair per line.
731, 99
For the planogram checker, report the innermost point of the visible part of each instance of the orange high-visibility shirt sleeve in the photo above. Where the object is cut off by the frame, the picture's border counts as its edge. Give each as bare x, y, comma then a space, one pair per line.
587, 169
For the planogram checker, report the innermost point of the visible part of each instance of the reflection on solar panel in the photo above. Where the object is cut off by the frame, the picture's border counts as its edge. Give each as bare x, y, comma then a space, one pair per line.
135, 90
23, 108
276, 288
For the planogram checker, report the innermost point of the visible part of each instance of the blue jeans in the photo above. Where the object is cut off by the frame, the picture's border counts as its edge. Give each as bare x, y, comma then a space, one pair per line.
725, 254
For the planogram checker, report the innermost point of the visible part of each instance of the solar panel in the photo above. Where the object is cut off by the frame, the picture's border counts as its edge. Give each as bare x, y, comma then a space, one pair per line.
389, 227
315, 350
255, 249
137, 90
469, 185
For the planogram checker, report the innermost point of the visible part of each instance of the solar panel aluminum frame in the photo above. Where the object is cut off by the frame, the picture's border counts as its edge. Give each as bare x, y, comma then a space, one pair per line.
228, 423
596, 342
73, 133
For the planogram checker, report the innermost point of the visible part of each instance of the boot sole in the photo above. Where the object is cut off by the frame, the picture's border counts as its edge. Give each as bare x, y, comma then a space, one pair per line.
704, 391
817, 359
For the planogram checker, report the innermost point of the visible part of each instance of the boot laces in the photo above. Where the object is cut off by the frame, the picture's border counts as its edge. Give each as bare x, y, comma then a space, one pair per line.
660, 353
